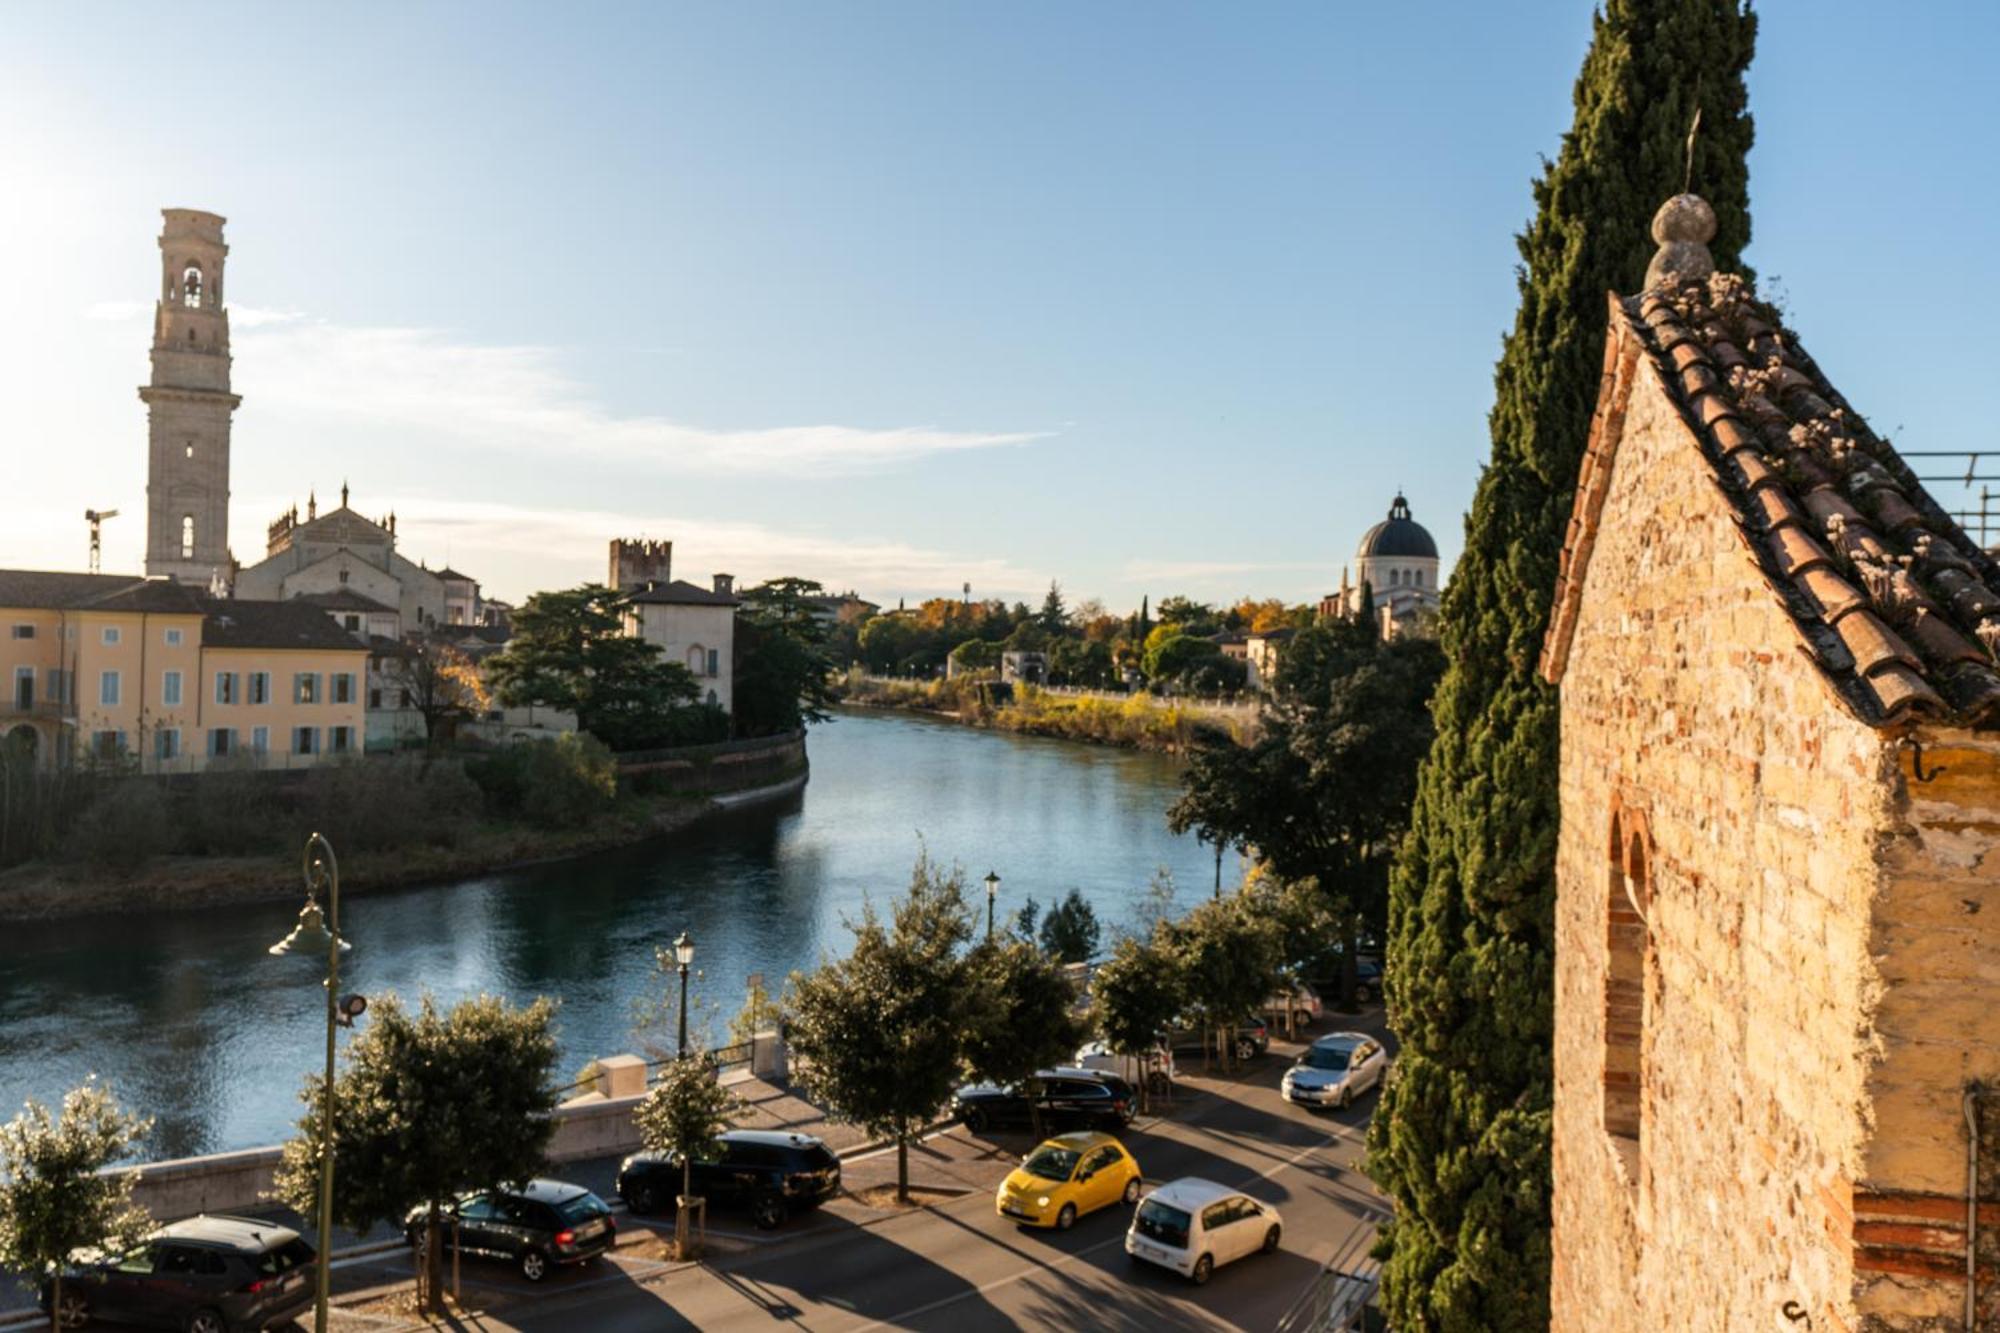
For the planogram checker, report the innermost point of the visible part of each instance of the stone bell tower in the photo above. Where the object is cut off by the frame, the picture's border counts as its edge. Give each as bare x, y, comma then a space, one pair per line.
188, 406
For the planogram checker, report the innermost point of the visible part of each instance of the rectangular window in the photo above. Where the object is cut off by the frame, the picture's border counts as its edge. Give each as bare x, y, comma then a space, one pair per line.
109, 744
343, 687
167, 743
170, 689
225, 687
110, 635
714, 660
221, 742
260, 740
340, 739
107, 688
24, 631
374, 698
409, 699
353, 623
24, 688
305, 688
58, 686
305, 740
260, 687
173, 638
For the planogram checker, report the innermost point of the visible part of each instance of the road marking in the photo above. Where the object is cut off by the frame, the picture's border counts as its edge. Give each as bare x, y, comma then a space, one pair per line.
1063, 1262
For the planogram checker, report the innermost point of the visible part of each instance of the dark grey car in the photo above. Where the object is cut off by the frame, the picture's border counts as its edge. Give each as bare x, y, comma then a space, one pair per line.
208, 1274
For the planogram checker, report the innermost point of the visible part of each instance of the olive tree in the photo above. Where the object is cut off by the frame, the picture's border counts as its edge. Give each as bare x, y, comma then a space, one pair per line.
683, 1115
430, 1106
879, 1033
55, 1196
1020, 1018
1136, 994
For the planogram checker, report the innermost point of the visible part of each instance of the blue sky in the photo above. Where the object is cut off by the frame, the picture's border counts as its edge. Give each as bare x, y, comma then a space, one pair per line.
1149, 299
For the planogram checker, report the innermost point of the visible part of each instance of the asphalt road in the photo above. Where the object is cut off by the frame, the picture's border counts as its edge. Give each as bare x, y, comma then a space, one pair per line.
958, 1267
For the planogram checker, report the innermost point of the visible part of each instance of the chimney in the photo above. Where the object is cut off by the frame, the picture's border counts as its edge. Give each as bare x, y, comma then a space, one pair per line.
725, 584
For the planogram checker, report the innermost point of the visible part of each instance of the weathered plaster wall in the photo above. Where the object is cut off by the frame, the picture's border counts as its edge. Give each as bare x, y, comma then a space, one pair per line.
1687, 698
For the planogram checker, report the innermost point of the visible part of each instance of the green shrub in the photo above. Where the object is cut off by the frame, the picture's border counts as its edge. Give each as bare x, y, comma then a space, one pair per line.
127, 824
548, 782
380, 804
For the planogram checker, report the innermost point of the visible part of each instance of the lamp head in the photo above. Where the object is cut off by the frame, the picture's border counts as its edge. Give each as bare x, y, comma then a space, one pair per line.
992, 884
310, 936
683, 949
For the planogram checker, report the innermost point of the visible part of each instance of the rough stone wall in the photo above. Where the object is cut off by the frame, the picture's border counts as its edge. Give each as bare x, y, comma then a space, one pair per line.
1936, 933
1687, 700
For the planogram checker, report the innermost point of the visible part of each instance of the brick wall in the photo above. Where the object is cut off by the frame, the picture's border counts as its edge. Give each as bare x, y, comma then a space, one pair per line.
1689, 711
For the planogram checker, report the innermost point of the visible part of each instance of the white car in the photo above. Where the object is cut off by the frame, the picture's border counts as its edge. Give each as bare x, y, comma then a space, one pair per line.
1336, 1069
1159, 1066
1301, 1001
1195, 1226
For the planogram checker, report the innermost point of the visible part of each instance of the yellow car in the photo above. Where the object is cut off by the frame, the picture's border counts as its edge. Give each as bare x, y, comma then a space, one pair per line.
1070, 1175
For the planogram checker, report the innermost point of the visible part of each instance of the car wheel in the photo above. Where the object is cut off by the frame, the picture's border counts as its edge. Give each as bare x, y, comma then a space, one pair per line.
1131, 1191
73, 1311
768, 1212
1346, 1097
1066, 1218
206, 1321
1246, 1049
1364, 994
534, 1265
1204, 1269
642, 1199
1271, 1241
977, 1121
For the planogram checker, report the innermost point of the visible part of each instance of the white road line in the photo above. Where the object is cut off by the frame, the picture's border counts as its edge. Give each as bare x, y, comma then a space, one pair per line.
905, 1316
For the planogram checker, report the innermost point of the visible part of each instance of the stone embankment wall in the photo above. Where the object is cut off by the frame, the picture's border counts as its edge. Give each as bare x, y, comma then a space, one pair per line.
717, 770
1750, 806
598, 1124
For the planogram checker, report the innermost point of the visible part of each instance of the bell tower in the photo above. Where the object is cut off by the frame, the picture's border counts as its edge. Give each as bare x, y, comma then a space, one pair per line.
188, 406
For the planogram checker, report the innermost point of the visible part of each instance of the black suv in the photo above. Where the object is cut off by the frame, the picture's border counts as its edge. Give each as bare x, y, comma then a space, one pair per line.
1252, 1038
1070, 1096
205, 1275
534, 1227
773, 1173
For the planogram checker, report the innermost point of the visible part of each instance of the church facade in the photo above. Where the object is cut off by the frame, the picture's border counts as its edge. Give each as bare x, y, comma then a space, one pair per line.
1397, 562
342, 551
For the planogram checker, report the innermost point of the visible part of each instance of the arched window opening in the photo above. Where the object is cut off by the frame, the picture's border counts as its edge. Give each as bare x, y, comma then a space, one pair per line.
190, 449
187, 536
1627, 1004
191, 287
698, 660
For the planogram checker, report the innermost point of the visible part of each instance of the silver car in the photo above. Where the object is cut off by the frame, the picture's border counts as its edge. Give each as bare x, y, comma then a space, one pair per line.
1336, 1069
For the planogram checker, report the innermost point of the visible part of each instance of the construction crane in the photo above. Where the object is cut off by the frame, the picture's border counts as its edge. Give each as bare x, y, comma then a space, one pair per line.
96, 517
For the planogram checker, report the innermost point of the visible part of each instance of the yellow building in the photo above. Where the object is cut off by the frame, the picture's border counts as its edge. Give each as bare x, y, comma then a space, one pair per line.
109, 666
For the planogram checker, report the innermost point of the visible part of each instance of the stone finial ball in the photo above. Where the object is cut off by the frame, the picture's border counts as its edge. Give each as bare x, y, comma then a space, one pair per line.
1685, 217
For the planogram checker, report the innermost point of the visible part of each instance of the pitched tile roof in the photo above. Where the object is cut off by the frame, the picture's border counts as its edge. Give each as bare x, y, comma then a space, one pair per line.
293, 624
1897, 606
58, 590
342, 599
680, 592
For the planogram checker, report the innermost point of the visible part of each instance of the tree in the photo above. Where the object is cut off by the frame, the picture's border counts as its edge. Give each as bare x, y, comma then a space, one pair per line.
1228, 952
56, 1197
879, 1033
1070, 932
431, 1105
1461, 1139
1020, 1020
570, 651
1323, 792
1173, 655
682, 1116
442, 684
1136, 994
782, 664
1054, 617
1026, 918
760, 1013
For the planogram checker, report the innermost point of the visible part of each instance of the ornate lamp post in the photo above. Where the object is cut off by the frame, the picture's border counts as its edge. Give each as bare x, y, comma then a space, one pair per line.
683, 955
992, 892
315, 934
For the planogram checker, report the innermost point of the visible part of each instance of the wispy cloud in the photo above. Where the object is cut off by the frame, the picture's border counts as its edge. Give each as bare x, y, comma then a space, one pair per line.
514, 548
520, 399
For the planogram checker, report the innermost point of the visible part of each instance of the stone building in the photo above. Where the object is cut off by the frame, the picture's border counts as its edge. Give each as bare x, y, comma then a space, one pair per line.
189, 407
341, 551
1398, 563
1777, 1002
692, 625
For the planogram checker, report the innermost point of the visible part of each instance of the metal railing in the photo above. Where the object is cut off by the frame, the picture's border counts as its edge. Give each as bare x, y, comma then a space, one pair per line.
1341, 1296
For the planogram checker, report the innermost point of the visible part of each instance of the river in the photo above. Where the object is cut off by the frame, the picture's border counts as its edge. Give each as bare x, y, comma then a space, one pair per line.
189, 1021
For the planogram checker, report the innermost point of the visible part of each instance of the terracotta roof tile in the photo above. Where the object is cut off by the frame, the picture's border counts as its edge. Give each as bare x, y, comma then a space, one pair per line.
1900, 690
1751, 469
1941, 643
1873, 643
1776, 507
1834, 595
1797, 552
1732, 435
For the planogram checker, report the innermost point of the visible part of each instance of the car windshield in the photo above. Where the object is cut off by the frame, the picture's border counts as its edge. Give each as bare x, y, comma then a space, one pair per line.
1050, 1163
1164, 1223
294, 1253
1326, 1057
818, 1158
583, 1208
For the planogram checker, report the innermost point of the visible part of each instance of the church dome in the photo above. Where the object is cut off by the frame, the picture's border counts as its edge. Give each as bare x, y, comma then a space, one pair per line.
1399, 535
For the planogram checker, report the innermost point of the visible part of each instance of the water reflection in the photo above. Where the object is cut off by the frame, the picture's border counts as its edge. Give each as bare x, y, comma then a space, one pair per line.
192, 1023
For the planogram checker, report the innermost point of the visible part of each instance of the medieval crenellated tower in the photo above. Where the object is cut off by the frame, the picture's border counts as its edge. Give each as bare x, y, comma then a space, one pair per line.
189, 405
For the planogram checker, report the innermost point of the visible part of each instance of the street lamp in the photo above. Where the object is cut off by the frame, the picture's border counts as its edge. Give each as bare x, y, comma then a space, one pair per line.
683, 955
313, 935
992, 892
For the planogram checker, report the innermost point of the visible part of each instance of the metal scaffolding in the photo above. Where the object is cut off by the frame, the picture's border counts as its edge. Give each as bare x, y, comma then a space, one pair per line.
1983, 522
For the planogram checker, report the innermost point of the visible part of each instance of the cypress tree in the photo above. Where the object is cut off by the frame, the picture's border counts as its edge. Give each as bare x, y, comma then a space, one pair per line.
1462, 1137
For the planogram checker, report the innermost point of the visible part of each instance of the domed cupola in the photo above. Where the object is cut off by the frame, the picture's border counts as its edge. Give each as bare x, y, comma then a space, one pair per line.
1398, 537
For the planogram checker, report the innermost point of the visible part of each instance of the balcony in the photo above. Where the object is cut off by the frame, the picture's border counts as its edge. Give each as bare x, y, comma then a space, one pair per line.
13, 709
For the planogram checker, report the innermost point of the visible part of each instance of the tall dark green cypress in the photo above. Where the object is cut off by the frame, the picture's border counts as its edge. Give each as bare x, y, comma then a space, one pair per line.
1461, 1140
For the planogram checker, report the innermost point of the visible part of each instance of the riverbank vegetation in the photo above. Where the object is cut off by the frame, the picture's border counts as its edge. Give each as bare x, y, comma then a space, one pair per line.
1136, 721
